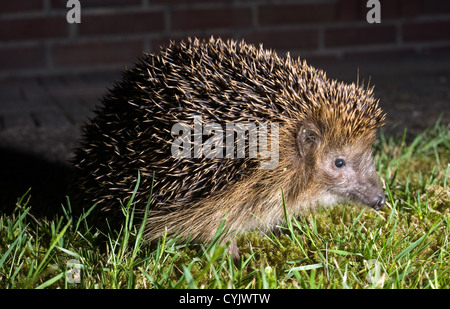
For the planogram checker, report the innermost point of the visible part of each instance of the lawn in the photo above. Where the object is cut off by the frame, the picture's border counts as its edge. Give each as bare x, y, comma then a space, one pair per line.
405, 245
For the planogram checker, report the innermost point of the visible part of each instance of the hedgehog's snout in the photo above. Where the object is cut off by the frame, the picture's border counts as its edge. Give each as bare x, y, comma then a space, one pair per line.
379, 201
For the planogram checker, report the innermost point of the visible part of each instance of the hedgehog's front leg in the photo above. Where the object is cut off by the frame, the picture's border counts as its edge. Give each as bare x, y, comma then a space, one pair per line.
234, 250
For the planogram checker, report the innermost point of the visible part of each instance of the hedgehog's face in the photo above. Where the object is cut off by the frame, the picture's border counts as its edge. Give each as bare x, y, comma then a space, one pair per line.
349, 173
343, 173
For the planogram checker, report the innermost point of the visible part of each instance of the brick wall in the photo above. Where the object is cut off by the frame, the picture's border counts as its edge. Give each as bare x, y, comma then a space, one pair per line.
35, 37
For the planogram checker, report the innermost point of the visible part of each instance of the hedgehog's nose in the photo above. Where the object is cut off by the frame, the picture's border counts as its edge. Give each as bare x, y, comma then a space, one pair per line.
379, 201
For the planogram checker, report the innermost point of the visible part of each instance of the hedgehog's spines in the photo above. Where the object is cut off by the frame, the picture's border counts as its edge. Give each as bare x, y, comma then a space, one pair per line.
223, 81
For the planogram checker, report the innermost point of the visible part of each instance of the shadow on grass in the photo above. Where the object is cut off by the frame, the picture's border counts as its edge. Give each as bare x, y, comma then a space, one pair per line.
21, 171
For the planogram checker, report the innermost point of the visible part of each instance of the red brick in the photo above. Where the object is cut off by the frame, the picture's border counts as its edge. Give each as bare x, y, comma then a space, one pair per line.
426, 31
33, 28
435, 7
374, 34
367, 56
353, 10
121, 23
389, 9
58, 4
21, 6
348, 10
285, 40
297, 14
409, 8
398, 8
175, 2
97, 53
18, 58
203, 19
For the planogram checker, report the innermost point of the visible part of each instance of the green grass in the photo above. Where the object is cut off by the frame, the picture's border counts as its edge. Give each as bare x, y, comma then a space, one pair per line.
406, 245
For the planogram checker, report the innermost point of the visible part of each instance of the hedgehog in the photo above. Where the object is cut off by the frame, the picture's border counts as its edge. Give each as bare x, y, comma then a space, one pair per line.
323, 140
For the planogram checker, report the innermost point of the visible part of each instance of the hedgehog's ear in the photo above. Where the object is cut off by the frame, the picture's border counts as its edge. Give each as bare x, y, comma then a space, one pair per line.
307, 140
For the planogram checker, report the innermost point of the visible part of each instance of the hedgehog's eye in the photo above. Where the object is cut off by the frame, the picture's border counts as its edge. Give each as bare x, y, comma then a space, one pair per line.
339, 163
